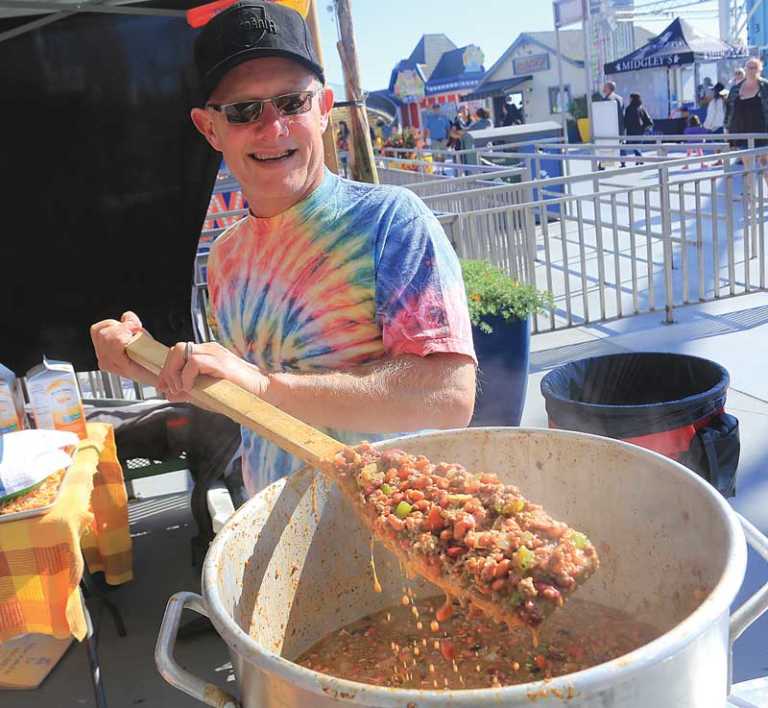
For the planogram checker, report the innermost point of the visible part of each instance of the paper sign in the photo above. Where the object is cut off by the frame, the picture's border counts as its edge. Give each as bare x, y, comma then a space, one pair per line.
568, 12
27, 660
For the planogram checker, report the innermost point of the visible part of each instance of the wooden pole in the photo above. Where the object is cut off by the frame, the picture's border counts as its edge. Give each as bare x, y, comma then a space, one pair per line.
329, 137
362, 161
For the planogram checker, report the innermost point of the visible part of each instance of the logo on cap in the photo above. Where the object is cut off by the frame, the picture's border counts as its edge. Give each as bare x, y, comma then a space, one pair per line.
257, 21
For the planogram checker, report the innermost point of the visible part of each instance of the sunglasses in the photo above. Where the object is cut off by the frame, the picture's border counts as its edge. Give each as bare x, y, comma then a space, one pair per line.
289, 104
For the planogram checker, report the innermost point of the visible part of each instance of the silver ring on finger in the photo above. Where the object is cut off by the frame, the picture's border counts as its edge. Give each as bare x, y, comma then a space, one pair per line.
187, 351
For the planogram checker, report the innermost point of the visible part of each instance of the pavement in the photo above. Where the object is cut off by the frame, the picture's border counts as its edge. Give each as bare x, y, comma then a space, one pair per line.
733, 332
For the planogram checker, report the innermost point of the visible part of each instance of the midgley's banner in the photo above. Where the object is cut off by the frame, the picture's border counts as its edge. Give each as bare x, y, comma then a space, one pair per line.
631, 63
678, 44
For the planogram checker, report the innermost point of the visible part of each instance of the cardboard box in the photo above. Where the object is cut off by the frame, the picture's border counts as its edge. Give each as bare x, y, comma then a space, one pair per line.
26, 660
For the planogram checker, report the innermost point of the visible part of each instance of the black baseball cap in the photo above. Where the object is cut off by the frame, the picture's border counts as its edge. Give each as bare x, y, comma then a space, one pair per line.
250, 30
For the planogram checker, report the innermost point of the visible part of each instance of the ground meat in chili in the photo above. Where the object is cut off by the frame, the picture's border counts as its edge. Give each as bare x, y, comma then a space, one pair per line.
484, 537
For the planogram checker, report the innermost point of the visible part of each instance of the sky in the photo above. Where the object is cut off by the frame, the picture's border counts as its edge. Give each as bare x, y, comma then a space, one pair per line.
387, 31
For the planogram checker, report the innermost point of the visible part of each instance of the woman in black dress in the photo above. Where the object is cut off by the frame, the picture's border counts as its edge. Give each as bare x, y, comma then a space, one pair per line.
747, 110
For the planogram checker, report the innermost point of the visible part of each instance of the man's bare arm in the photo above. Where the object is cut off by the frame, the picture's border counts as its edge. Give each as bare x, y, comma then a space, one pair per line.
400, 394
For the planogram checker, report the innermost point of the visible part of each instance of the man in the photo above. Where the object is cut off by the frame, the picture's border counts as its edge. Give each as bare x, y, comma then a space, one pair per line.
341, 303
609, 94
512, 114
437, 126
738, 76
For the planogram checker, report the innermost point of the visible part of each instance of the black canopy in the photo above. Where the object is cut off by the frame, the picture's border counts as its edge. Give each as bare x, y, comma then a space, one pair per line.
678, 44
105, 181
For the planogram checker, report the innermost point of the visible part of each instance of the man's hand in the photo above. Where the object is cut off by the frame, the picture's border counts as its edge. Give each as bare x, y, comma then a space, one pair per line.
186, 361
109, 338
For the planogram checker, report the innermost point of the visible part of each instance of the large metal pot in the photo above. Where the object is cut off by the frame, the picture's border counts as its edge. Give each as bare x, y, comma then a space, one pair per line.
294, 564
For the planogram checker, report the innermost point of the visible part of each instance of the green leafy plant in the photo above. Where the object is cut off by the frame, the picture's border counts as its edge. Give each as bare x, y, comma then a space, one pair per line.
492, 293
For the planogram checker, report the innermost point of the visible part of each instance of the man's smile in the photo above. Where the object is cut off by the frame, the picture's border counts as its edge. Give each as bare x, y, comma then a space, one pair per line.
272, 156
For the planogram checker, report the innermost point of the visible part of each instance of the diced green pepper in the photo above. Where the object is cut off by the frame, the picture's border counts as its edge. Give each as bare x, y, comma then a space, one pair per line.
515, 597
386, 489
523, 558
579, 540
403, 509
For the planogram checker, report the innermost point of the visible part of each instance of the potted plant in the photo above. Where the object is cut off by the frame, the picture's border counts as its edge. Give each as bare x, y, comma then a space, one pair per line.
500, 309
578, 109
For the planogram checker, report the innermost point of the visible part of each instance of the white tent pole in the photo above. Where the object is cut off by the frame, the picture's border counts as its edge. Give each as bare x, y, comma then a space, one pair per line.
560, 88
587, 27
561, 93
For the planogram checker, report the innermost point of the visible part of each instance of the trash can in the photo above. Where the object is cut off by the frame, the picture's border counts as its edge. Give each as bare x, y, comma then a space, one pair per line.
673, 404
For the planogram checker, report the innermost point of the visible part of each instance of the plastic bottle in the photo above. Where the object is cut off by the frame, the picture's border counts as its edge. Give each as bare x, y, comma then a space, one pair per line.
11, 405
55, 397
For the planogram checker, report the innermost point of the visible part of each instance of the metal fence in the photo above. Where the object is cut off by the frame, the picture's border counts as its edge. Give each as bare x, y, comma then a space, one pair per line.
650, 237
640, 239
658, 234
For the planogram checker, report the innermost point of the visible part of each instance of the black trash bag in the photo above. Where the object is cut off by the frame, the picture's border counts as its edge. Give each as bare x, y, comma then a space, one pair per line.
714, 453
634, 394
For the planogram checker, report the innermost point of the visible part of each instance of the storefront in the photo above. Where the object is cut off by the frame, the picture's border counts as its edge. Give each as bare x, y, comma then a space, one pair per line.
437, 72
457, 74
527, 71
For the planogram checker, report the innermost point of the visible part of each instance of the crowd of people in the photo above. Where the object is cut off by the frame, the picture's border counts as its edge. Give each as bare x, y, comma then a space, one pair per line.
742, 108
438, 131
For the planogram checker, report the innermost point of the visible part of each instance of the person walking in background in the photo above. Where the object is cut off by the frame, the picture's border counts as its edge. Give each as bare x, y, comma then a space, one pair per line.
715, 119
462, 119
738, 76
512, 114
342, 136
747, 112
636, 122
695, 127
609, 94
342, 145
459, 125
437, 126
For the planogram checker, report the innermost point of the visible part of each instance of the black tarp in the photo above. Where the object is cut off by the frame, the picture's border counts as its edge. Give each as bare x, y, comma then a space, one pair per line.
678, 44
105, 182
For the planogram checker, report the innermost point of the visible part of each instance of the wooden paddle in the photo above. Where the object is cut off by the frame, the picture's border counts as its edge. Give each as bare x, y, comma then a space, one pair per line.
360, 475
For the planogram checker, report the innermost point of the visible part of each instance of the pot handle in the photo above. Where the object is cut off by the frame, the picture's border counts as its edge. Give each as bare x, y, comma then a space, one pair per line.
758, 603
208, 693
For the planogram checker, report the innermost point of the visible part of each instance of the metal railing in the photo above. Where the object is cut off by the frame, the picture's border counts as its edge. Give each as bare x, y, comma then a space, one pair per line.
656, 235
633, 240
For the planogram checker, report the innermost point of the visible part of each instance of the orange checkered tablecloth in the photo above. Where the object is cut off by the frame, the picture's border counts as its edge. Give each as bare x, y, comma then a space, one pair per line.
41, 557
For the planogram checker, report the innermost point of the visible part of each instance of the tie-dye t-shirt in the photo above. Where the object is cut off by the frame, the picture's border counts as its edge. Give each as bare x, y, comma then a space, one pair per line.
353, 273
